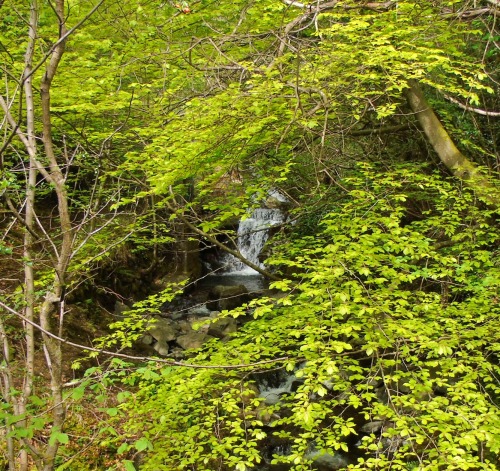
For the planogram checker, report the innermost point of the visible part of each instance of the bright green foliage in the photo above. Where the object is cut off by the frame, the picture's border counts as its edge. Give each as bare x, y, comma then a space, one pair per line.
390, 315
383, 50
343, 71
390, 285
389, 305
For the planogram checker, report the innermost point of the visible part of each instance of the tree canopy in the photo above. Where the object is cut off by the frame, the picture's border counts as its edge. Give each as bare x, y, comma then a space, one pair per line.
136, 133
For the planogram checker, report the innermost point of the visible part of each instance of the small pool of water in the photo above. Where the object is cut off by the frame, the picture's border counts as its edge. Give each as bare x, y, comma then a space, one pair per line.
254, 283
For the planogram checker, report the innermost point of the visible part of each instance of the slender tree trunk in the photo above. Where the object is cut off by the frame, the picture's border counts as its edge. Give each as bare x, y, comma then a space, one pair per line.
29, 219
446, 149
49, 313
6, 385
53, 305
29, 298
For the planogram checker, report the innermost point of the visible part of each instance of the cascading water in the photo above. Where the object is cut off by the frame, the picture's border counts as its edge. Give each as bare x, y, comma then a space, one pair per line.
253, 233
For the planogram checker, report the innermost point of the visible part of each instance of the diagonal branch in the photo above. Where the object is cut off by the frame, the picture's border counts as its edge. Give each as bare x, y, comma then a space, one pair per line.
470, 108
134, 357
458, 164
213, 240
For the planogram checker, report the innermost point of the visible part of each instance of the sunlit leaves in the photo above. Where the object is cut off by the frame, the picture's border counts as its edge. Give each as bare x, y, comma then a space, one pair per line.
379, 319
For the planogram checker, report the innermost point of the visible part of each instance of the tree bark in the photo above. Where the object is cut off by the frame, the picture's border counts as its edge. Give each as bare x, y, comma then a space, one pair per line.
53, 305
456, 162
29, 219
6, 388
23, 452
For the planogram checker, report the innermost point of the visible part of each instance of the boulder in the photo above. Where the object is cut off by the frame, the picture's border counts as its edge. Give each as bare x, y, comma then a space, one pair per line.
201, 324
161, 331
162, 348
185, 326
223, 327
176, 315
373, 427
223, 297
200, 310
324, 461
147, 339
192, 340
277, 200
120, 309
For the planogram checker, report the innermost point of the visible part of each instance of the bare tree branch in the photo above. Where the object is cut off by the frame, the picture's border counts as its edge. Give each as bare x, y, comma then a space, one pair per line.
470, 108
138, 358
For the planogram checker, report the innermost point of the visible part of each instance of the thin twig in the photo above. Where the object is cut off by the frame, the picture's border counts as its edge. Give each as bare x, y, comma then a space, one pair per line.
138, 358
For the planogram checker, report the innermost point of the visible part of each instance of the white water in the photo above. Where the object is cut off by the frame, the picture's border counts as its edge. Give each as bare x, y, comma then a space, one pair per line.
272, 395
253, 233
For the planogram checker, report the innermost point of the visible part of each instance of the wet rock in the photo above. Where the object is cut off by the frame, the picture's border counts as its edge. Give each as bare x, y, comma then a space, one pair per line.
277, 203
176, 315
227, 297
373, 427
147, 339
223, 327
185, 327
162, 348
192, 340
199, 311
327, 461
162, 332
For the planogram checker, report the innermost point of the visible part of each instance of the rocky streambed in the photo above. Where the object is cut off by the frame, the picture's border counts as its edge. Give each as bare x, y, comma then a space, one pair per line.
193, 319
188, 323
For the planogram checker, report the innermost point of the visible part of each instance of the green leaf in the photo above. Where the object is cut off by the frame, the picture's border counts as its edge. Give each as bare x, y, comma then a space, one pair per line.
143, 444
123, 448
128, 465
78, 393
57, 436
112, 411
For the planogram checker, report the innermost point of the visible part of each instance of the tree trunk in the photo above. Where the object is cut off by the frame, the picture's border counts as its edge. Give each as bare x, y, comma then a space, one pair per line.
25, 453
445, 148
53, 305
6, 385
29, 219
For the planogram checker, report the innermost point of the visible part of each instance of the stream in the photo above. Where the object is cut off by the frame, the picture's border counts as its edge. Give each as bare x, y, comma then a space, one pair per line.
236, 282
253, 234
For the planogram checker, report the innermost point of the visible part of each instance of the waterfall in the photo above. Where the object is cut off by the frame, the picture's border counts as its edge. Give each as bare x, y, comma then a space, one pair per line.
271, 393
253, 233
